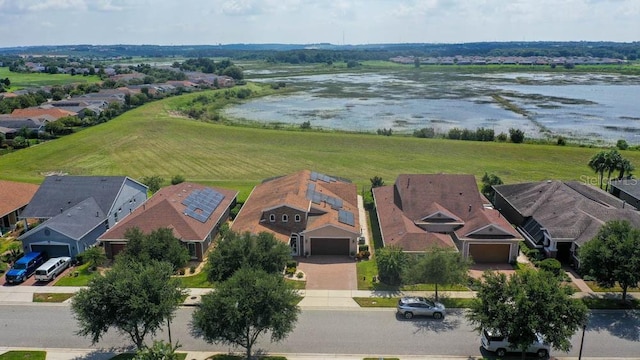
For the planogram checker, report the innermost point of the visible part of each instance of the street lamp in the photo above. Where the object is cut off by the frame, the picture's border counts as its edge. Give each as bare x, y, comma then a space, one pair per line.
584, 327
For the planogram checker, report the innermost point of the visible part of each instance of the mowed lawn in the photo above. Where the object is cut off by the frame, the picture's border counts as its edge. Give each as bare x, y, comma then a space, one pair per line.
150, 141
34, 80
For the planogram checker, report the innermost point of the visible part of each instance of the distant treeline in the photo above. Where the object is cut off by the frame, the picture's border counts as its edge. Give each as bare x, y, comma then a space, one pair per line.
323, 53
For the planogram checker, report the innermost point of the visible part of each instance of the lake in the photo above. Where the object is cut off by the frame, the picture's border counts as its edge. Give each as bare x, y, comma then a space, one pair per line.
590, 108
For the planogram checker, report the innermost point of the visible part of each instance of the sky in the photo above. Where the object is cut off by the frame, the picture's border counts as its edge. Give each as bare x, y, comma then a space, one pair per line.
210, 22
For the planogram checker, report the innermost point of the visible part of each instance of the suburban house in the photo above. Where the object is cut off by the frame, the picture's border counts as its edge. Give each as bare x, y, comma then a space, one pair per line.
76, 210
14, 197
420, 211
12, 124
560, 216
627, 190
314, 213
37, 113
193, 212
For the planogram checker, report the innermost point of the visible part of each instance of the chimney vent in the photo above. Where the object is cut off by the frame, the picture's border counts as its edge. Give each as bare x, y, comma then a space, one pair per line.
469, 207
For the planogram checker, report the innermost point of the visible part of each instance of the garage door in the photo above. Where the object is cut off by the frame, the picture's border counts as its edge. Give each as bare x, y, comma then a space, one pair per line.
489, 253
328, 246
52, 250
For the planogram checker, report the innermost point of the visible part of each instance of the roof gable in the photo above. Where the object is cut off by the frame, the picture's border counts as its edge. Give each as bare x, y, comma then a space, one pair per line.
75, 222
59, 193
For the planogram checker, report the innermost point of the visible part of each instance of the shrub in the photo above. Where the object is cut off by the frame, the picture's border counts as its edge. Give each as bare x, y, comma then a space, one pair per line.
561, 141
300, 275
292, 264
363, 248
80, 259
454, 134
305, 125
502, 137
181, 272
622, 145
427, 133
290, 271
192, 269
516, 135
551, 265
364, 254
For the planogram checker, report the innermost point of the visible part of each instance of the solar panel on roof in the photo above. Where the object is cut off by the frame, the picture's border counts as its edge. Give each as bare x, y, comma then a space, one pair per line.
205, 200
314, 176
346, 217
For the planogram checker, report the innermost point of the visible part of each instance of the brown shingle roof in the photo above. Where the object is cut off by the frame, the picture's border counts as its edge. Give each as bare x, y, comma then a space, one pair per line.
416, 196
291, 191
165, 210
38, 112
14, 195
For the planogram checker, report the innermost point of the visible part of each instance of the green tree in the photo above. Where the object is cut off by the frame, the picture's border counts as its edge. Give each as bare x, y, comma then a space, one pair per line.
153, 182
525, 304
234, 72
376, 181
438, 266
613, 256
391, 261
177, 179
262, 251
248, 304
612, 163
625, 168
488, 181
134, 298
516, 136
159, 245
94, 256
622, 144
20, 142
598, 164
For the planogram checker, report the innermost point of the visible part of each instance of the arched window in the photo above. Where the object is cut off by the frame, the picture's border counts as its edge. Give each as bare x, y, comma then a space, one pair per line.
285, 217
272, 218
297, 218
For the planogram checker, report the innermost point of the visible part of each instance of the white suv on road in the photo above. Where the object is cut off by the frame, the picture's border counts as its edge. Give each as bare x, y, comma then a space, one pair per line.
493, 341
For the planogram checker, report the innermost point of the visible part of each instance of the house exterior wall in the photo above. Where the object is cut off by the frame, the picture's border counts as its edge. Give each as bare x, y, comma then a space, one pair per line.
290, 224
131, 196
8, 221
44, 236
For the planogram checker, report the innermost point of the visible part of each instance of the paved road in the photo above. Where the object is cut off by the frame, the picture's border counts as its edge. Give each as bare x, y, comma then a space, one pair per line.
324, 331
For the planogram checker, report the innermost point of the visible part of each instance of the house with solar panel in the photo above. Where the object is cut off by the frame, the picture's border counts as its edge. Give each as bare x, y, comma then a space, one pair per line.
193, 212
315, 214
75, 210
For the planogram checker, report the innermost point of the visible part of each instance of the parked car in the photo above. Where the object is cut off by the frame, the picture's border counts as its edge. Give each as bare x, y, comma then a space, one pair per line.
24, 267
492, 340
52, 268
416, 305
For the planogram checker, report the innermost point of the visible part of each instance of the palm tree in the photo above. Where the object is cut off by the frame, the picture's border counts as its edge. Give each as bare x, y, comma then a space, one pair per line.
625, 167
612, 161
598, 164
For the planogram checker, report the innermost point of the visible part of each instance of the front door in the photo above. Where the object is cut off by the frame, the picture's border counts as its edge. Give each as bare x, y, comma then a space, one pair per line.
192, 250
294, 243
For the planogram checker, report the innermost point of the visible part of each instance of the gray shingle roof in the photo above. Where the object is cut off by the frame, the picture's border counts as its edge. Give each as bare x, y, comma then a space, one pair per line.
59, 193
76, 221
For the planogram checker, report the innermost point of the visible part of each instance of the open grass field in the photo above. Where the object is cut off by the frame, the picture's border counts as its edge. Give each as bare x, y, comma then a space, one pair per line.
29, 80
151, 140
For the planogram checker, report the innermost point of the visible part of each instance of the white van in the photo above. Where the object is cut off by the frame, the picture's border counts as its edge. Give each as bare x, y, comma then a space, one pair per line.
52, 268
494, 341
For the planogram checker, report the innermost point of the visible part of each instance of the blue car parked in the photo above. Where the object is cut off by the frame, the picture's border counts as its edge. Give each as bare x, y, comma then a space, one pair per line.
24, 267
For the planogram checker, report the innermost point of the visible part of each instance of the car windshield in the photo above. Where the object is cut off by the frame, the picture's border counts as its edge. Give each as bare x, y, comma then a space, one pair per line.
19, 266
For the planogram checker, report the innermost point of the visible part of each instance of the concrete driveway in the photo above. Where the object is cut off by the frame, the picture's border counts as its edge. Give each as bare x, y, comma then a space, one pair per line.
327, 272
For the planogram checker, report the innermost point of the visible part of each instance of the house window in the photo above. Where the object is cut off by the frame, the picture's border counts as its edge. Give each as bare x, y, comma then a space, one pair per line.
297, 218
285, 217
272, 218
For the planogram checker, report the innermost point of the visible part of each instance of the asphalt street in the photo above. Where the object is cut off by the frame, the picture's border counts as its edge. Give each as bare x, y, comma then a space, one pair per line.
362, 331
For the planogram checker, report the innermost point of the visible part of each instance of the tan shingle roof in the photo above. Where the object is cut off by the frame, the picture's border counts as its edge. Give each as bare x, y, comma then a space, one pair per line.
14, 195
291, 191
165, 210
37, 112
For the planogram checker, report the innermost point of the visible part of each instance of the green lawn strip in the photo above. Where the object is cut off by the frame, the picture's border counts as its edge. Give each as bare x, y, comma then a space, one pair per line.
239, 357
129, 356
32, 80
23, 355
610, 304
393, 301
84, 275
142, 142
594, 287
51, 297
296, 284
198, 280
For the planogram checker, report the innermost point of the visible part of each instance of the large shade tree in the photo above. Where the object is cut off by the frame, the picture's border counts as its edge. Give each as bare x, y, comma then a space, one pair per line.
527, 304
133, 297
158, 245
248, 304
613, 256
261, 251
438, 266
